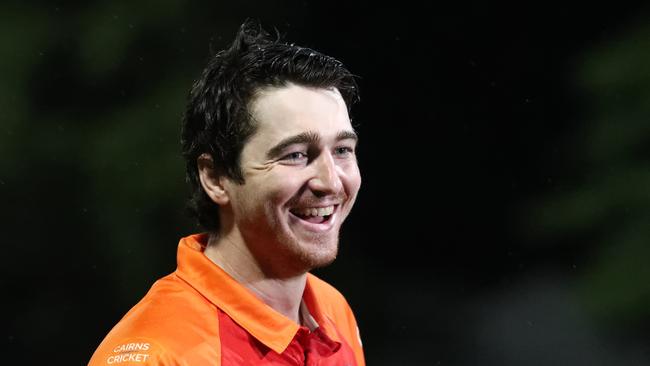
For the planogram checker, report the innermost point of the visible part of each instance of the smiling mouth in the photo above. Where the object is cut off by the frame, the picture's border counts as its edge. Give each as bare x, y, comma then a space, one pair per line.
314, 215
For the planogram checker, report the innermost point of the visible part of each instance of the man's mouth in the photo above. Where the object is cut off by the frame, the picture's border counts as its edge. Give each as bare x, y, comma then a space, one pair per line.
315, 215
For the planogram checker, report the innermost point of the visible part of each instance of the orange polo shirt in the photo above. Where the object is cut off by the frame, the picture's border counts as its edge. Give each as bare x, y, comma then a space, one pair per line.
199, 315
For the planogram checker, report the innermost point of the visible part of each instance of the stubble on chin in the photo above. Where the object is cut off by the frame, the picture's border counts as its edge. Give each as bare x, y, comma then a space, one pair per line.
318, 251
301, 255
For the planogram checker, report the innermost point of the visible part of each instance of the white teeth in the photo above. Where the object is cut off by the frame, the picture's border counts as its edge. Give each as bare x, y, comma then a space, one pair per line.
313, 211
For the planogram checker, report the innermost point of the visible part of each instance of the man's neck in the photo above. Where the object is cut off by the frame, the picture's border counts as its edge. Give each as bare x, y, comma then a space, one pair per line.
284, 294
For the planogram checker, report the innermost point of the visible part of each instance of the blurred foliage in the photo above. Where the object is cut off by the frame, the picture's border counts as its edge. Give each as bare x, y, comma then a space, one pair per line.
91, 176
603, 201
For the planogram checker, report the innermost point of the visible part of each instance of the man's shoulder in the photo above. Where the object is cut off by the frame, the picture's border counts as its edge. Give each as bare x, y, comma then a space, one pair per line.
170, 301
330, 300
171, 319
336, 309
324, 291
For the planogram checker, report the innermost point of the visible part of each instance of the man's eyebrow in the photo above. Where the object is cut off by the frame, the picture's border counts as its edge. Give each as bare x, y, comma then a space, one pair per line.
302, 138
347, 135
308, 137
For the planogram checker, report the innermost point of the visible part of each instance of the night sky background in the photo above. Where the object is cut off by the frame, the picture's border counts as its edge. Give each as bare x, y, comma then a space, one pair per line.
504, 216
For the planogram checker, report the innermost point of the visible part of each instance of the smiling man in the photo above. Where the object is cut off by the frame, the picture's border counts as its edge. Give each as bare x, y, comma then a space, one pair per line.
270, 155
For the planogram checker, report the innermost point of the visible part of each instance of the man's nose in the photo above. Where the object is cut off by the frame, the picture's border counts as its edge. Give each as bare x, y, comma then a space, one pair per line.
326, 178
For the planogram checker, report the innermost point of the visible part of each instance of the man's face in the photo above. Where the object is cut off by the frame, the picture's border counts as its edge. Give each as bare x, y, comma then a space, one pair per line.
301, 178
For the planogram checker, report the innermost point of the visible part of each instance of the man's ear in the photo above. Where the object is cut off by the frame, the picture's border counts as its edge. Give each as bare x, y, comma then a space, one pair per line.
211, 180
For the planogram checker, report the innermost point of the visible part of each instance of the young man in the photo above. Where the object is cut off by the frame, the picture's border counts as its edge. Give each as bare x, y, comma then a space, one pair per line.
270, 155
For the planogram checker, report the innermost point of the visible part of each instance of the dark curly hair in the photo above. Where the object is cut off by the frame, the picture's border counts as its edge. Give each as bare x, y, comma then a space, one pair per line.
217, 119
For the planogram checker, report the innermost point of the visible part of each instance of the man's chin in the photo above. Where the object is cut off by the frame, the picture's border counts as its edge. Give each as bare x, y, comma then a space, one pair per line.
322, 262
306, 250
317, 254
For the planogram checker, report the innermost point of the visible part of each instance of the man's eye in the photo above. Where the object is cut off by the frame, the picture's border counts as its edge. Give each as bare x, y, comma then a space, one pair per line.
295, 156
343, 151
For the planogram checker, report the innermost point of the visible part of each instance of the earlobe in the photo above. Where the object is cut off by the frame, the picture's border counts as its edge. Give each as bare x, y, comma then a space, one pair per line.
211, 180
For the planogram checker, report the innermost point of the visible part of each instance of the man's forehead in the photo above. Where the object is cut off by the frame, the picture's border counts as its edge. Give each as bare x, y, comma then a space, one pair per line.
295, 109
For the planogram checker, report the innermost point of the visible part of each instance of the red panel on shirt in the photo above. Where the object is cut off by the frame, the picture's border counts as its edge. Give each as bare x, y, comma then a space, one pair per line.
309, 348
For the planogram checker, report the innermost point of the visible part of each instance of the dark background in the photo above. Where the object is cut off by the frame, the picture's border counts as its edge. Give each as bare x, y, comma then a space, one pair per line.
504, 217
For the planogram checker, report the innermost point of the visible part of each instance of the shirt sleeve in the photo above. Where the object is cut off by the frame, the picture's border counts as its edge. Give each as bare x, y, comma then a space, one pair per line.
133, 352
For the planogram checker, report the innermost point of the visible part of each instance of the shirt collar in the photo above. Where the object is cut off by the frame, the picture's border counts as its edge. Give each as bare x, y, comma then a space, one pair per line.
260, 320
